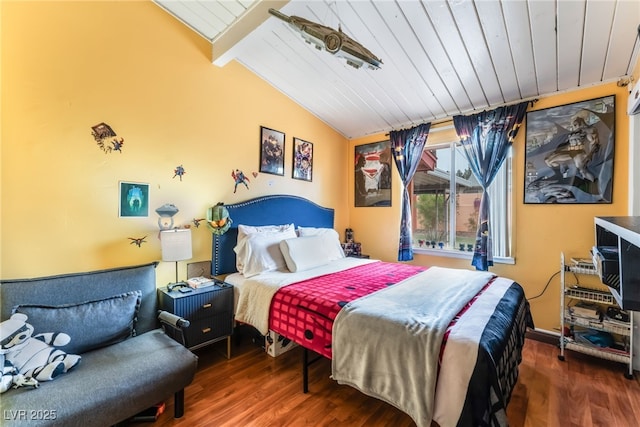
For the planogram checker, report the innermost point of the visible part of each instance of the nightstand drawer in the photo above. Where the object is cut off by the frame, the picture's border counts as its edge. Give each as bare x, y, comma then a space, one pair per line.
203, 305
203, 330
199, 304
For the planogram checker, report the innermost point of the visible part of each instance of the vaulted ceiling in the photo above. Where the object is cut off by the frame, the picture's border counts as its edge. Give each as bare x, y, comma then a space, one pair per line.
440, 58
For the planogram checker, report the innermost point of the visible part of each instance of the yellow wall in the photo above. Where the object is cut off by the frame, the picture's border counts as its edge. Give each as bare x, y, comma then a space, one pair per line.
67, 66
541, 231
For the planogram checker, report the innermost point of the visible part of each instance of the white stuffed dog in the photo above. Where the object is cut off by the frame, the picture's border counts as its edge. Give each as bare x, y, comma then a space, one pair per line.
27, 359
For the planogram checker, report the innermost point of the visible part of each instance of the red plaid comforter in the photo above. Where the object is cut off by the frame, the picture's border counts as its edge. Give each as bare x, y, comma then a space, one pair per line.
304, 311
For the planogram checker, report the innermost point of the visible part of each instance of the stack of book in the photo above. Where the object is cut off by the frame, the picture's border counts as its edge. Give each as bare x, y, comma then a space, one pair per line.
586, 310
200, 282
149, 415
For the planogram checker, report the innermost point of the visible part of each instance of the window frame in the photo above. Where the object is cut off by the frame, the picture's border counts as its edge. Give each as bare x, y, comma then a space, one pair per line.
507, 176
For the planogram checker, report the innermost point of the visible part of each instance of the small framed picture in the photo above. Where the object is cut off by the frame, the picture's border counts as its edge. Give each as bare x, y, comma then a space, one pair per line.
302, 160
372, 181
271, 151
134, 199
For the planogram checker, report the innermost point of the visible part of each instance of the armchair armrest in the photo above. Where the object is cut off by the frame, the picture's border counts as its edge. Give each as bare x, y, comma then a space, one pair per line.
177, 323
172, 320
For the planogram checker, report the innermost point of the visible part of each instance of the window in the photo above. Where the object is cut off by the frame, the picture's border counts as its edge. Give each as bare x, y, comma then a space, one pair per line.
446, 201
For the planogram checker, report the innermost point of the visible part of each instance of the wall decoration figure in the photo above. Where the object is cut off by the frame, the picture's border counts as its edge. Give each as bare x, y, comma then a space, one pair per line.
102, 133
239, 178
117, 144
196, 221
137, 241
218, 219
271, 151
134, 199
373, 174
179, 172
302, 160
569, 153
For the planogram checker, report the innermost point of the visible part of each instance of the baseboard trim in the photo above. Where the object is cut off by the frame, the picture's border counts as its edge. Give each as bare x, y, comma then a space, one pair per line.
550, 337
541, 335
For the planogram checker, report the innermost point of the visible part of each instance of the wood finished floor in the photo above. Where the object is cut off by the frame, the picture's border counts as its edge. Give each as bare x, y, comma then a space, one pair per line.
254, 389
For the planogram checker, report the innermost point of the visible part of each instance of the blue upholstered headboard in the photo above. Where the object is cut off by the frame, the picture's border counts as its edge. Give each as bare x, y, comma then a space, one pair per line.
266, 210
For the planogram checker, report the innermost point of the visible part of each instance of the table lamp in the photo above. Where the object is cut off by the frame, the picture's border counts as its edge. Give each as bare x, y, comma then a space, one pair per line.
176, 245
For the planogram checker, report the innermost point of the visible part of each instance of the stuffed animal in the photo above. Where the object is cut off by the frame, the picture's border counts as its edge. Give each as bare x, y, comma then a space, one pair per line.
11, 377
8, 372
29, 359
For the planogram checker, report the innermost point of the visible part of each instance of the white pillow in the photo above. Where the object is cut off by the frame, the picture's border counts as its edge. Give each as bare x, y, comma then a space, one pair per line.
287, 230
304, 253
244, 230
331, 240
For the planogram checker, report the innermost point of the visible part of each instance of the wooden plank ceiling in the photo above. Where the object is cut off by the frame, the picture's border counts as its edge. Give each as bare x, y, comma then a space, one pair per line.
440, 58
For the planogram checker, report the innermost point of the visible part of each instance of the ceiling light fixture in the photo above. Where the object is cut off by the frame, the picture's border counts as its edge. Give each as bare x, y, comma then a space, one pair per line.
334, 42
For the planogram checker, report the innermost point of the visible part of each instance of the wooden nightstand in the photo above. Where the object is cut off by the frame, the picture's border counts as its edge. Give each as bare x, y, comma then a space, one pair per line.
209, 309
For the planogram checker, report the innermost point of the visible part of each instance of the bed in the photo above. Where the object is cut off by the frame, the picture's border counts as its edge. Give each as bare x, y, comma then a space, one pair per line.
442, 345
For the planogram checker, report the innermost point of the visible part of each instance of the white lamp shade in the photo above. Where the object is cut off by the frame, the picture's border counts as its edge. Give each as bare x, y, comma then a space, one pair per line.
176, 244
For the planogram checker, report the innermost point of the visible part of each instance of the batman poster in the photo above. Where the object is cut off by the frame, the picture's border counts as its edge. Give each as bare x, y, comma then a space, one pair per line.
569, 153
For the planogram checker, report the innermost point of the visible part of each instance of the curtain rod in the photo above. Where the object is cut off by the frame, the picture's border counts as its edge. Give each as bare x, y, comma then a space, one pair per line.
449, 120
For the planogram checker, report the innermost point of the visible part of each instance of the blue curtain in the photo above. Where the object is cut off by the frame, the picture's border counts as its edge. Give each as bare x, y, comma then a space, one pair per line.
406, 147
486, 138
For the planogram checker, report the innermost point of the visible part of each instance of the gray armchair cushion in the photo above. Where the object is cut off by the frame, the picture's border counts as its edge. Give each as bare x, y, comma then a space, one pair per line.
85, 323
110, 385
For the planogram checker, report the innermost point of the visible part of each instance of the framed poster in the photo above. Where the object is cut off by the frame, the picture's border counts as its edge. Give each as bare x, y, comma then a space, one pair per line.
302, 160
134, 199
569, 153
372, 180
271, 151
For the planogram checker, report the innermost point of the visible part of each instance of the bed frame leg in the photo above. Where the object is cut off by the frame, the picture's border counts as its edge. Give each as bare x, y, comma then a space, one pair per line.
305, 371
305, 368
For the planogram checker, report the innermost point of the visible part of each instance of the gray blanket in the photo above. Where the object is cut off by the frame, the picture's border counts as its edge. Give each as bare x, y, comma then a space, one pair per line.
386, 344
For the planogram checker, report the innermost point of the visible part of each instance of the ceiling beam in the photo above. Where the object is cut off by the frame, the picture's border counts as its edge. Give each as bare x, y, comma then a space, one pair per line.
222, 46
